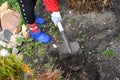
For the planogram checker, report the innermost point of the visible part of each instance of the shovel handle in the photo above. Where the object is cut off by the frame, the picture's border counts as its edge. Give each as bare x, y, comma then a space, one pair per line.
60, 27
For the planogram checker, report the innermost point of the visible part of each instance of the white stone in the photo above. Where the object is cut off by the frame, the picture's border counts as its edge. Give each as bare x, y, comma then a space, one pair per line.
9, 45
70, 12
15, 50
24, 28
54, 46
3, 52
26, 34
2, 43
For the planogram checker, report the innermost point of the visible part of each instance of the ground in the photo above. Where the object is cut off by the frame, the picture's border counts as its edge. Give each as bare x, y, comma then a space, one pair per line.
95, 32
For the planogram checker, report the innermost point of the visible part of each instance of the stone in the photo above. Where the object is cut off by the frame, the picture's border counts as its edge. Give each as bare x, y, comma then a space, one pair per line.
15, 50
3, 8
3, 44
10, 20
9, 45
17, 30
5, 35
24, 28
14, 38
3, 53
54, 46
26, 34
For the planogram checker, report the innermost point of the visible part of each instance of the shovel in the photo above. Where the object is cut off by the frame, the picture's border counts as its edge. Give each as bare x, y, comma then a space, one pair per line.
67, 48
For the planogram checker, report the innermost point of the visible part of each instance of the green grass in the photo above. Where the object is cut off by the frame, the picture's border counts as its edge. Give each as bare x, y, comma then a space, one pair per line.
2, 1
83, 39
12, 3
50, 63
72, 20
108, 53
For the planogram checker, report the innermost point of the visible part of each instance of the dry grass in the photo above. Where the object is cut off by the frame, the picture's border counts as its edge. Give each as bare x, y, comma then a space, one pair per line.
51, 74
84, 6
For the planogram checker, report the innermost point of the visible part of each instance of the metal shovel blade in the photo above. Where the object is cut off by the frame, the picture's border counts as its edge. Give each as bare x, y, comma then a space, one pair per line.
67, 48
64, 52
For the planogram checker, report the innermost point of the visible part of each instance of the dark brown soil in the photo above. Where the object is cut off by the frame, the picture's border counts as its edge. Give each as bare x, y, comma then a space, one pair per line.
95, 32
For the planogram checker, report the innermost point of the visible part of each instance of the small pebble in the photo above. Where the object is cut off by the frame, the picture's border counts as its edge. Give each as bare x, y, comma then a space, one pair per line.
54, 46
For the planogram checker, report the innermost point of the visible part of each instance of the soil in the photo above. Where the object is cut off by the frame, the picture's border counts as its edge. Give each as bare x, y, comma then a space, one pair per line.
95, 33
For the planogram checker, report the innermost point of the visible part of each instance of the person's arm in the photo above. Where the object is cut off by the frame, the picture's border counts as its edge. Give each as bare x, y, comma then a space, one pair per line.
51, 5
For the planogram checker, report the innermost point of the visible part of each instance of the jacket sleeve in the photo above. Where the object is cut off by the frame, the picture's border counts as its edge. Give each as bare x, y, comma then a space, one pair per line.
51, 5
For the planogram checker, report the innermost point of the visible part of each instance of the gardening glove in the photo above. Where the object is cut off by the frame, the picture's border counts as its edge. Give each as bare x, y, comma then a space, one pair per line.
56, 17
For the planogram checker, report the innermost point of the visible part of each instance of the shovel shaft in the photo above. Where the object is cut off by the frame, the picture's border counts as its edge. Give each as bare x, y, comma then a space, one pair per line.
64, 36
66, 41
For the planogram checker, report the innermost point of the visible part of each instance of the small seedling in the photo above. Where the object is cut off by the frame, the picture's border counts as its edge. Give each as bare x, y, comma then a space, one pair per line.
41, 53
72, 20
108, 53
52, 28
49, 63
82, 39
35, 60
20, 40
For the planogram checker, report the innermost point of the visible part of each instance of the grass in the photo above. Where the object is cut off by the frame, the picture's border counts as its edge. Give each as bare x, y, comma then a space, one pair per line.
83, 39
108, 53
50, 63
72, 20
2, 1
29, 48
12, 3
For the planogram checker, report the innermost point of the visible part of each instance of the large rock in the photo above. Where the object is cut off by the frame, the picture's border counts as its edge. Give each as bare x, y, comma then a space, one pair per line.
10, 20
3, 8
5, 35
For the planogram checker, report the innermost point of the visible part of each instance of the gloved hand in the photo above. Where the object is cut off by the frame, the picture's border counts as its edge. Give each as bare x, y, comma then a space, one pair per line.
56, 17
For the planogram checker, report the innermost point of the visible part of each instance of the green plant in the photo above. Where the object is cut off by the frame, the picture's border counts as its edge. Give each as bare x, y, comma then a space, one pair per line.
41, 52
22, 21
30, 48
11, 67
49, 63
2, 1
14, 5
108, 53
72, 20
83, 39
52, 28
20, 40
